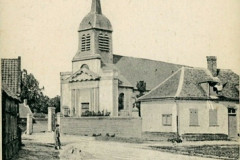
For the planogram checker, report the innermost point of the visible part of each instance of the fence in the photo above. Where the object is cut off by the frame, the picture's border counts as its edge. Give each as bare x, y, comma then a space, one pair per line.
10, 139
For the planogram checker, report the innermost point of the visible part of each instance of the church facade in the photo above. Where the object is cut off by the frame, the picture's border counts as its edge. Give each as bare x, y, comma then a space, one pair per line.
174, 98
101, 81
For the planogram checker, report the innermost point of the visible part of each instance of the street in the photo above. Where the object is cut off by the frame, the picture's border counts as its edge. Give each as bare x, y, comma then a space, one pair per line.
76, 147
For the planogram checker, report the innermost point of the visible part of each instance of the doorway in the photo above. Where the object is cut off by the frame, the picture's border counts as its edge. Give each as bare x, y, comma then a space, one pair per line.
232, 123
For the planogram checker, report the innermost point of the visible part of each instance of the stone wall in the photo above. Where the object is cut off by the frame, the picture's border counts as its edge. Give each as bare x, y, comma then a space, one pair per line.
121, 127
40, 125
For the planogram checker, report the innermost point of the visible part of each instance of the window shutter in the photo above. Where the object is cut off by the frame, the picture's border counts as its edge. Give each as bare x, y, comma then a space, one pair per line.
193, 117
212, 117
103, 42
167, 119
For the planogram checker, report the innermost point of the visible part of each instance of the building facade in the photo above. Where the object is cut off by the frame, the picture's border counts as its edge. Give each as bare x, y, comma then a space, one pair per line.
194, 101
178, 99
10, 92
101, 81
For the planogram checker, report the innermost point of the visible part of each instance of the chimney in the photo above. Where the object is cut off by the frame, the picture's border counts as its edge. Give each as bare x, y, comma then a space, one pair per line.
212, 65
25, 102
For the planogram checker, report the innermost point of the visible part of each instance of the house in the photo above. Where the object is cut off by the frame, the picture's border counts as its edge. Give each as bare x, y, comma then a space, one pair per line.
101, 80
24, 110
194, 101
11, 80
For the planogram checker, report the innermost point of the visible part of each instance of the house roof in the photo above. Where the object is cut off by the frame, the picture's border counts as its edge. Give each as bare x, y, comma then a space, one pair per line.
9, 92
24, 110
138, 69
11, 74
183, 84
83, 74
230, 82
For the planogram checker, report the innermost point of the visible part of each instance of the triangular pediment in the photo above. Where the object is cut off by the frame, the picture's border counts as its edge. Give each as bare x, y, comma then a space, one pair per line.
83, 75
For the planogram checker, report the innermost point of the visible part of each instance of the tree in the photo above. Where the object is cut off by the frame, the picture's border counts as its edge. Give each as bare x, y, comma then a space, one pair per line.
141, 87
31, 91
55, 102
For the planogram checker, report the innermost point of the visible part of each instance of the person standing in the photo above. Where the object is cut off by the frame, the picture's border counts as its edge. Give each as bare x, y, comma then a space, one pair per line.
57, 137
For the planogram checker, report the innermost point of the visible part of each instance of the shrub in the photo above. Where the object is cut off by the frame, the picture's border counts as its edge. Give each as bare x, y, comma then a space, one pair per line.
92, 114
177, 140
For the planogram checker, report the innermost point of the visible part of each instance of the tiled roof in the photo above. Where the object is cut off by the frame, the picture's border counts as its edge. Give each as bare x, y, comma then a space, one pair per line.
24, 110
230, 81
183, 84
83, 75
191, 87
11, 74
138, 69
123, 82
9, 92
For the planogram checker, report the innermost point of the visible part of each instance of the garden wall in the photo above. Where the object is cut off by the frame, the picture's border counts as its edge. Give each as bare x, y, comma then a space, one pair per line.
40, 125
121, 127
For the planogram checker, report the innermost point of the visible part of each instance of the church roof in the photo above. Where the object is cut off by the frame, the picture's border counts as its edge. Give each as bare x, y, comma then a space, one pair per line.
95, 19
185, 83
138, 69
83, 74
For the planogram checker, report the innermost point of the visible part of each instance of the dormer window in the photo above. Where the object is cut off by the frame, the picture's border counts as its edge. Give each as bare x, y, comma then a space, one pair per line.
103, 42
86, 42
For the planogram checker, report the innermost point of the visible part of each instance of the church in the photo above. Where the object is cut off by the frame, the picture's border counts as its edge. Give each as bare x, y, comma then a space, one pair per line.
101, 80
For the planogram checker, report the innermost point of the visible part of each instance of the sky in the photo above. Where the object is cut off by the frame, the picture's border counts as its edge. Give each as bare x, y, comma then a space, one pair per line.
44, 33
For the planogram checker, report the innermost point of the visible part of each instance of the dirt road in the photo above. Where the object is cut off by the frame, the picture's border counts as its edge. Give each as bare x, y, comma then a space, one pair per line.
87, 148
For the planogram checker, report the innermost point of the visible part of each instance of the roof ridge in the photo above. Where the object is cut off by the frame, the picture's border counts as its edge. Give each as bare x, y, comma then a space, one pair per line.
161, 83
152, 60
85, 71
180, 84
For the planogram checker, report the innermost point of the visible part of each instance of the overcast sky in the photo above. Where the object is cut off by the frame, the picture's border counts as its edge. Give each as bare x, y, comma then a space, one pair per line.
44, 33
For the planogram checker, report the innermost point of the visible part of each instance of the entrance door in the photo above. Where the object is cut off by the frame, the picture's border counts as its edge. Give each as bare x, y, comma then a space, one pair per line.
232, 123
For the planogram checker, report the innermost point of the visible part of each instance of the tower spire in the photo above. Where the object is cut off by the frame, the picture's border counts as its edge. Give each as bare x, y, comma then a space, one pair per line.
96, 7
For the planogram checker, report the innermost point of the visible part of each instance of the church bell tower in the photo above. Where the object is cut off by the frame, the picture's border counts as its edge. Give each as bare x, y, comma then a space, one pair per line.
95, 39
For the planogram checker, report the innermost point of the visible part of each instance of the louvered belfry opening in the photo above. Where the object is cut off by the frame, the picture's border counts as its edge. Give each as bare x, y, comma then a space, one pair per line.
103, 41
86, 46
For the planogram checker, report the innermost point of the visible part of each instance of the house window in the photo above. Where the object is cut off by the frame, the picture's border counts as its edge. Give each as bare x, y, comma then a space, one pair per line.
167, 119
193, 117
85, 42
231, 111
212, 117
103, 42
85, 107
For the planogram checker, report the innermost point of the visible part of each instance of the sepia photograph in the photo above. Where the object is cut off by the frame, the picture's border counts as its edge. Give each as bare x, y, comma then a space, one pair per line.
120, 80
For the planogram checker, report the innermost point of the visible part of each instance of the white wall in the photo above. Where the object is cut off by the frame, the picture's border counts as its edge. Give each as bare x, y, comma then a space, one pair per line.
93, 64
65, 96
128, 100
108, 97
203, 117
151, 113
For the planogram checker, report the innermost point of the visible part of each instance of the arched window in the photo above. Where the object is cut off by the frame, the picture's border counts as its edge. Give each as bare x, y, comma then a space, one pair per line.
85, 66
121, 101
103, 42
86, 42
